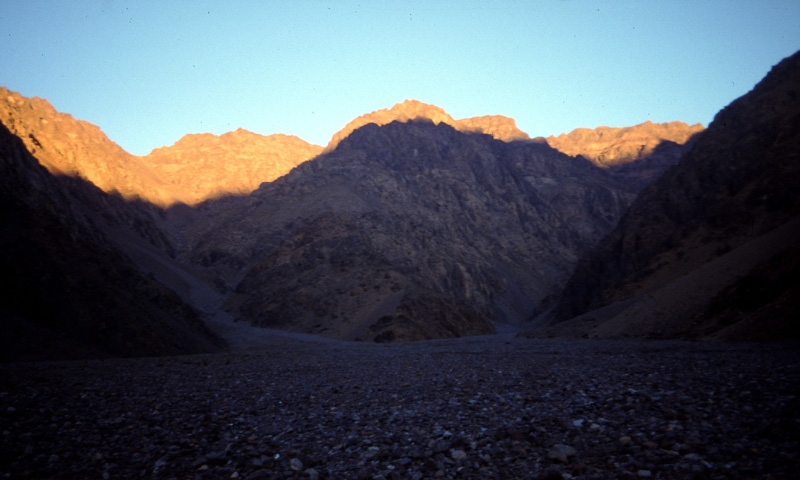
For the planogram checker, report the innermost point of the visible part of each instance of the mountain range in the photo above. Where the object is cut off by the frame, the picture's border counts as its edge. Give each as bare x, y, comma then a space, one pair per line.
408, 225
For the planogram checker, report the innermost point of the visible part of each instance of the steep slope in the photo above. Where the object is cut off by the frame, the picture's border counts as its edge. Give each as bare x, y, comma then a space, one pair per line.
607, 146
498, 126
205, 166
65, 290
407, 231
709, 249
66, 146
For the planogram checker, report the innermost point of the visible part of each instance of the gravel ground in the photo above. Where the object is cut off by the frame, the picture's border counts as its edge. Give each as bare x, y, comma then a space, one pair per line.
481, 407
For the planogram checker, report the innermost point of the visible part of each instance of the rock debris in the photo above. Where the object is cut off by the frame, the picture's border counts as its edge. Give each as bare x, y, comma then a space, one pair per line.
480, 407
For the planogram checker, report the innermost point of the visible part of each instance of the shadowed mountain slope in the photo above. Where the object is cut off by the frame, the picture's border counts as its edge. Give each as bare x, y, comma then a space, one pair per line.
65, 290
407, 231
711, 248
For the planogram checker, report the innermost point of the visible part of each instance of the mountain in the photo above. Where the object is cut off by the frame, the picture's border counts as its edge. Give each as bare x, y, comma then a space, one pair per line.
410, 226
206, 166
66, 290
407, 231
607, 146
194, 169
498, 126
712, 248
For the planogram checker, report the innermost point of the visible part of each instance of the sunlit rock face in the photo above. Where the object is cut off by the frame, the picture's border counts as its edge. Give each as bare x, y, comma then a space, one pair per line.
712, 248
194, 169
607, 146
408, 231
66, 146
205, 166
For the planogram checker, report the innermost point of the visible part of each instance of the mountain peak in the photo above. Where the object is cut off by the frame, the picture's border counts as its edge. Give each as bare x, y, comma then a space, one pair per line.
498, 126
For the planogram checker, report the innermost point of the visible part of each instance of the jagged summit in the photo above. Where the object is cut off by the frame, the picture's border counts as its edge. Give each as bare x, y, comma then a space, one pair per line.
498, 126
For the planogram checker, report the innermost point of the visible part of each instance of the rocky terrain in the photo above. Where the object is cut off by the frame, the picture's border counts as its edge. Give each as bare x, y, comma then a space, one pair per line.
606, 146
407, 231
385, 237
710, 249
481, 407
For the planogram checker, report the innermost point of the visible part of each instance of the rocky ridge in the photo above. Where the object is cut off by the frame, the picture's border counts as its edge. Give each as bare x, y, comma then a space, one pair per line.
498, 126
194, 169
606, 146
709, 250
206, 166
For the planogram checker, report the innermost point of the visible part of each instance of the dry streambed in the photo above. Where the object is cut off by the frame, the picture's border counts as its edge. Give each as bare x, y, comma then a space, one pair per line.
482, 407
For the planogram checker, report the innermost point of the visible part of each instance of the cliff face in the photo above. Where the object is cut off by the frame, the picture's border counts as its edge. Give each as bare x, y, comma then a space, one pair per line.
66, 291
408, 231
710, 248
607, 147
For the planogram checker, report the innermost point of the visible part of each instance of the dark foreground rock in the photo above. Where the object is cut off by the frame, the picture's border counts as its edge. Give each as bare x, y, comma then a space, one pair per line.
481, 407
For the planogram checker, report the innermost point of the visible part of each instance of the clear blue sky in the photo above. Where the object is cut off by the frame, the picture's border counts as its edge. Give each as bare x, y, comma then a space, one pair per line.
149, 72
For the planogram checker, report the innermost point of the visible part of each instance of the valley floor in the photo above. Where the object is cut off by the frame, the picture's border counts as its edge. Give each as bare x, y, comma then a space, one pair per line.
481, 407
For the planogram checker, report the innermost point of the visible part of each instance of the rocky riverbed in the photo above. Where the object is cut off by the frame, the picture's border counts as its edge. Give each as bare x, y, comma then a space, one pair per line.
480, 407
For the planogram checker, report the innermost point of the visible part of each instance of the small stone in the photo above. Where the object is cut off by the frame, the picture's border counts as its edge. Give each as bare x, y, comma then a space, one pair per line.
458, 454
561, 453
625, 440
577, 423
295, 464
161, 462
644, 473
312, 473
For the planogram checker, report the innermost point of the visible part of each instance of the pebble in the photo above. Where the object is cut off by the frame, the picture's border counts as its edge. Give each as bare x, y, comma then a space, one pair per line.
561, 453
295, 464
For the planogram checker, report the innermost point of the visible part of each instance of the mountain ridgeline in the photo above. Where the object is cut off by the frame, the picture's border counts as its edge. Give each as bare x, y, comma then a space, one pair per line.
409, 225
